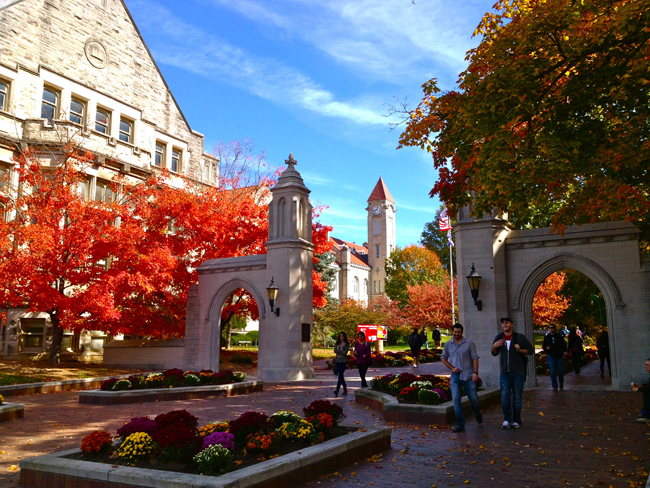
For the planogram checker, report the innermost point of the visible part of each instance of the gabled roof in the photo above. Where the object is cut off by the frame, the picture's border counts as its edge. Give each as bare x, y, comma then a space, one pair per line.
380, 192
358, 254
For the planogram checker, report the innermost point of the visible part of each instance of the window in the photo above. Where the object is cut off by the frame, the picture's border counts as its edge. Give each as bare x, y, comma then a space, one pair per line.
103, 192
176, 161
379, 286
377, 247
356, 285
33, 331
4, 91
159, 158
77, 109
48, 106
365, 287
83, 187
374, 284
102, 121
376, 227
215, 173
206, 172
126, 129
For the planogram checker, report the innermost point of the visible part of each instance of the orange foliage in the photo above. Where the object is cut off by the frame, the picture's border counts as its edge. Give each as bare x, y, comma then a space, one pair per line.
548, 304
430, 304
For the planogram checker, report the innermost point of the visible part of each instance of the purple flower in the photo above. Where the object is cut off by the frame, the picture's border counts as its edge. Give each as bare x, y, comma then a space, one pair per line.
226, 439
138, 424
442, 394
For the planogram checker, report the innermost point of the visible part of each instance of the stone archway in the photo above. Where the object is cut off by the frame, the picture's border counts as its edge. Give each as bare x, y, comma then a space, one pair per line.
513, 263
214, 316
525, 293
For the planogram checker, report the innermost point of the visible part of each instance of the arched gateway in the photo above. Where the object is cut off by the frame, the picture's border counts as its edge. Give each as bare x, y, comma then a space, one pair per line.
513, 263
285, 341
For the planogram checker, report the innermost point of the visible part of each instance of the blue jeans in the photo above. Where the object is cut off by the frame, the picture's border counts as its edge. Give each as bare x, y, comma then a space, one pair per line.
556, 365
470, 387
512, 383
341, 381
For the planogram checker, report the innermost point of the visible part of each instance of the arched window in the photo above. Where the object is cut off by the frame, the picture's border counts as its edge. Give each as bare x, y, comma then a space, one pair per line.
356, 285
365, 287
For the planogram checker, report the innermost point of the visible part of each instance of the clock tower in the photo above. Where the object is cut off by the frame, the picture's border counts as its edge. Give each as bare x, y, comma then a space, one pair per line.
381, 236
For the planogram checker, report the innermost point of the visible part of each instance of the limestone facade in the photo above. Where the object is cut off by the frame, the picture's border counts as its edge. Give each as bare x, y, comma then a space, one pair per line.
80, 69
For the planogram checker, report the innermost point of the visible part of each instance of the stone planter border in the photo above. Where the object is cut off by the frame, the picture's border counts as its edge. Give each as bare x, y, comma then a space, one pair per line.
99, 397
289, 470
11, 411
442, 414
51, 386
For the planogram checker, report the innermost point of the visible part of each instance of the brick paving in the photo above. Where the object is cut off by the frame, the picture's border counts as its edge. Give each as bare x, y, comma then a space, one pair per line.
583, 436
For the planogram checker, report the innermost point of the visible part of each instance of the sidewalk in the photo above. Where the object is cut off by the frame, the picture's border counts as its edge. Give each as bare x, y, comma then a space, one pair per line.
573, 437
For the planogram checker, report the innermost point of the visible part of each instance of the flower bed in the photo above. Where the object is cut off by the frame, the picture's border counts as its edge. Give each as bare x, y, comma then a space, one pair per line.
541, 362
11, 411
394, 359
427, 389
174, 441
172, 378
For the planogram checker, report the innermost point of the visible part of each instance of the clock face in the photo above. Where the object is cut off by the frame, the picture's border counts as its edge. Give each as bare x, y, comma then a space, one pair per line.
376, 209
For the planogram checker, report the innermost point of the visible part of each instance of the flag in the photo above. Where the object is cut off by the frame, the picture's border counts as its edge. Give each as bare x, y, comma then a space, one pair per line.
449, 238
444, 222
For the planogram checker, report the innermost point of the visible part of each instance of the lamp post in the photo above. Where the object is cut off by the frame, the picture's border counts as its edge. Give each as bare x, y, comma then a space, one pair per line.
474, 280
272, 292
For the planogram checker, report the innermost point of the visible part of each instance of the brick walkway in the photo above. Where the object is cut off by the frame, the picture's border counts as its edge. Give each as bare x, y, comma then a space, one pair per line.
571, 438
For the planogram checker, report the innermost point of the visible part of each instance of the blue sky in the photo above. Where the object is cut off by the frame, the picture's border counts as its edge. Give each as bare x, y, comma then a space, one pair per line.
311, 78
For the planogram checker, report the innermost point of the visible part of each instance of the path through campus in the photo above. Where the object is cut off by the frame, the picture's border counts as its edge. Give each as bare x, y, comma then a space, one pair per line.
583, 436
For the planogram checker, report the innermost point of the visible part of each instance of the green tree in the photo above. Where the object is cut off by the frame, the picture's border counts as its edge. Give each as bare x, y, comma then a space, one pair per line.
435, 240
587, 309
345, 316
412, 266
550, 117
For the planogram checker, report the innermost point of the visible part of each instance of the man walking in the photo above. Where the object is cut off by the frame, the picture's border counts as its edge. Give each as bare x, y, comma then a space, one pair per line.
555, 346
460, 356
415, 343
512, 349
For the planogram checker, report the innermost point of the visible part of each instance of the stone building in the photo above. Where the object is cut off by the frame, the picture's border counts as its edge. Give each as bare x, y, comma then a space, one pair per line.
80, 68
361, 273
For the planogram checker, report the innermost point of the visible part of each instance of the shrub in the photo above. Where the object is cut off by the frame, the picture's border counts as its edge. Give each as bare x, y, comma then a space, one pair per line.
426, 385
155, 380
324, 406
122, 385
97, 442
263, 442
239, 376
298, 431
138, 424
107, 385
213, 427
137, 446
323, 422
242, 359
173, 377
248, 423
206, 377
215, 459
192, 380
177, 441
2, 399
226, 439
444, 396
429, 397
409, 394
137, 381
177, 416
284, 416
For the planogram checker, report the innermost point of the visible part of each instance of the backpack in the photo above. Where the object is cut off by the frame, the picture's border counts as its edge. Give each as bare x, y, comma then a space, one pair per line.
414, 340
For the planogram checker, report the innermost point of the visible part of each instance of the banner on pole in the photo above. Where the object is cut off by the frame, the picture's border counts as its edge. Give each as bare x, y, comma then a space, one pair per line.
444, 223
373, 332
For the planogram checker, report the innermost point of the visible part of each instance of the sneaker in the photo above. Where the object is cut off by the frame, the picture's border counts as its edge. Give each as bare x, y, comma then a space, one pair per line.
554, 389
561, 386
643, 420
479, 418
505, 425
458, 429
515, 425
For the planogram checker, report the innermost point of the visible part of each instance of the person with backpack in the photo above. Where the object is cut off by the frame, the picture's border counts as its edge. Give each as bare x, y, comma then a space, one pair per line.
415, 343
554, 346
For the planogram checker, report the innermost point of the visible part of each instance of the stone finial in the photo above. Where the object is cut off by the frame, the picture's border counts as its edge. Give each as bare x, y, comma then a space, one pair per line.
290, 162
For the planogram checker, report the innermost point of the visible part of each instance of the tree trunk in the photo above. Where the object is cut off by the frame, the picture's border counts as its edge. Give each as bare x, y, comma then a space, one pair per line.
57, 339
228, 336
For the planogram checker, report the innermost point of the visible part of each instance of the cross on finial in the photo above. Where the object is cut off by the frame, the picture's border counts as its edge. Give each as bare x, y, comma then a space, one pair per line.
290, 162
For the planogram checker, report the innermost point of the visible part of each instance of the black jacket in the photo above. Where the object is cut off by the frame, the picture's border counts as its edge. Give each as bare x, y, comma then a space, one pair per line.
557, 343
415, 341
512, 361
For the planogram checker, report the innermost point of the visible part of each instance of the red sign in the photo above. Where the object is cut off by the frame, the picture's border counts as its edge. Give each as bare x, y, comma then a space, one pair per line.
373, 332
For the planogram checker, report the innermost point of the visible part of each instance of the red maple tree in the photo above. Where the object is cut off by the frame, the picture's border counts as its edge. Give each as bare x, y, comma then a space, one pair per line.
429, 304
548, 304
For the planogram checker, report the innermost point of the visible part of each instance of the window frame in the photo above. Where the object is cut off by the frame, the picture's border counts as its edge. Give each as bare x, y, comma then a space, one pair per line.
162, 152
53, 105
4, 94
105, 111
81, 114
102, 186
129, 135
178, 153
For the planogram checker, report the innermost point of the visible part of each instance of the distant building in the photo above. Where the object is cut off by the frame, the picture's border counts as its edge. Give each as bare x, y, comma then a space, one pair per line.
361, 273
82, 67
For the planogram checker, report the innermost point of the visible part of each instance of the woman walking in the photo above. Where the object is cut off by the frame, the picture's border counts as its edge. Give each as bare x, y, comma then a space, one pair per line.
341, 361
575, 347
364, 357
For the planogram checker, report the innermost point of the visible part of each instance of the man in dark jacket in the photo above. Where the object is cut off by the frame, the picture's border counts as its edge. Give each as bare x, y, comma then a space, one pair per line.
415, 343
554, 346
512, 349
